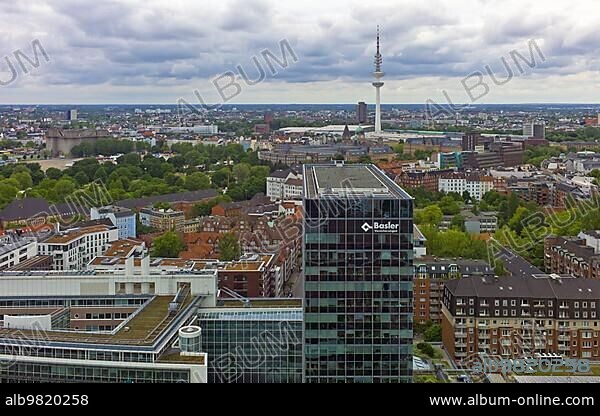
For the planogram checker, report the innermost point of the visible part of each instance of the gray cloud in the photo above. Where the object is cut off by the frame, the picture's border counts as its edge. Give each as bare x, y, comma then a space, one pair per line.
184, 43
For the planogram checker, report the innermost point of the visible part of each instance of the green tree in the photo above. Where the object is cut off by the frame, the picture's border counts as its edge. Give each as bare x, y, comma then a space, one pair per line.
499, 268
62, 189
162, 205
81, 178
167, 245
429, 215
54, 173
458, 222
7, 193
449, 205
197, 181
241, 171
426, 348
221, 177
433, 333
24, 179
229, 247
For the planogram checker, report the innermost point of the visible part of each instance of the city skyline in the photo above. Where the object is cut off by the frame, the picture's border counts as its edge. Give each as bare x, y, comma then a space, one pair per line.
121, 52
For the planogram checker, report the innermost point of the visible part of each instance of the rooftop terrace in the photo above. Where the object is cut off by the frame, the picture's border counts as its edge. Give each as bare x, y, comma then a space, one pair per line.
142, 329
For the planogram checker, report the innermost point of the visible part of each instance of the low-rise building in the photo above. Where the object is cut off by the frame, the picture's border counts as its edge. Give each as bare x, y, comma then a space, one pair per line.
123, 218
104, 326
162, 219
484, 222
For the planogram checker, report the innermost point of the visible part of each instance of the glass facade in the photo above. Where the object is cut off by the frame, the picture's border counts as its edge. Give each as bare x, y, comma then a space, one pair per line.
23, 372
358, 267
251, 346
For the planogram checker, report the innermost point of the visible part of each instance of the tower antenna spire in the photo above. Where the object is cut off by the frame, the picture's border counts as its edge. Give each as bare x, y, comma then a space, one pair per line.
378, 74
378, 58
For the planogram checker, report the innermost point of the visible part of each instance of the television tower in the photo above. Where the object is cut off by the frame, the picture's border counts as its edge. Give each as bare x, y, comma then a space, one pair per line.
378, 74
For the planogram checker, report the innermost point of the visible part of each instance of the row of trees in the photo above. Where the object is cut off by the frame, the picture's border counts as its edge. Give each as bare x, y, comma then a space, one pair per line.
230, 169
171, 245
108, 147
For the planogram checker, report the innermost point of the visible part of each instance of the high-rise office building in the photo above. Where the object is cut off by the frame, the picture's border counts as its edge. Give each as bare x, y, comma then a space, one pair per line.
361, 112
358, 258
534, 130
72, 115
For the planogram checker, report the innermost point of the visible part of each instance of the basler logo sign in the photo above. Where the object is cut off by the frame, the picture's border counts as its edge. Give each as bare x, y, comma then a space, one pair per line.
381, 227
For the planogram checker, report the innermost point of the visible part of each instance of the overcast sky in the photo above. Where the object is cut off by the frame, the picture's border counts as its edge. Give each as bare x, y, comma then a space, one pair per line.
157, 51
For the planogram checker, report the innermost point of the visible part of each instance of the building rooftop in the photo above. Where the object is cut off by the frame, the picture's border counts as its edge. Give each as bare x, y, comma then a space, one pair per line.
143, 328
117, 211
76, 233
262, 303
343, 180
517, 265
14, 244
541, 287
123, 247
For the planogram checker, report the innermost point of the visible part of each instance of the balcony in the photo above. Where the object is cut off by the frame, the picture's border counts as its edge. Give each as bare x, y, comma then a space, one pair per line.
563, 347
564, 306
505, 342
460, 325
564, 338
539, 305
483, 336
461, 344
460, 354
460, 334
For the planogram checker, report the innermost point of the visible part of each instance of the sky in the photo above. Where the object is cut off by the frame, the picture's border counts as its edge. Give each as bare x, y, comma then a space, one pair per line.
157, 51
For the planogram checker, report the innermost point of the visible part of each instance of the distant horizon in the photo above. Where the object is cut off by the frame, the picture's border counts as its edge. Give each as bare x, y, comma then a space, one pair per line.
296, 103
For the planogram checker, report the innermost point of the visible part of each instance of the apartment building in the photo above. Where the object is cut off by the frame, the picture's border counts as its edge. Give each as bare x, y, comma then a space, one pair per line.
475, 184
74, 248
15, 250
430, 276
428, 180
516, 317
162, 219
279, 180
579, 256
123, 218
